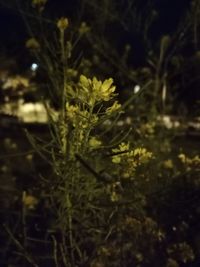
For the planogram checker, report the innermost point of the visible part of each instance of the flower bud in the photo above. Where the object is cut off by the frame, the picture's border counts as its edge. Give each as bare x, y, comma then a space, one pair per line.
62, 23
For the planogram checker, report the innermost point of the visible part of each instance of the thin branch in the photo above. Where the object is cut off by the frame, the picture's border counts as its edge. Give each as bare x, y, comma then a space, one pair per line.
55, 251
24, 253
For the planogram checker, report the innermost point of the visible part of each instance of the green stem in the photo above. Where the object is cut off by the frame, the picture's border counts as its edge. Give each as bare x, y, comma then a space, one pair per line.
63, 60
69, 208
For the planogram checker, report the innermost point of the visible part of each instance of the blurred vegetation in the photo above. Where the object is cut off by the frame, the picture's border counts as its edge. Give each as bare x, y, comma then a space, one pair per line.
104, 183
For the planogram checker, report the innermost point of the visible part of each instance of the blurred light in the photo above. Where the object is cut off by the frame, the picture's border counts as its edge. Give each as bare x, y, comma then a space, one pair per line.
164, 92
6, 98
136, 89
34, 66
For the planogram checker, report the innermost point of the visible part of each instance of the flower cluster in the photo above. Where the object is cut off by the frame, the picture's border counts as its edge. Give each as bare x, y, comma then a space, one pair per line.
93, 91
80, 118
190, 163
129, 159
140, 155
82, 122
112, 109
147, 129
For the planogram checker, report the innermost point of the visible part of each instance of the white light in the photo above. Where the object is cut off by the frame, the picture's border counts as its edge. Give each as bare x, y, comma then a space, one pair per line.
34, 66
136, 89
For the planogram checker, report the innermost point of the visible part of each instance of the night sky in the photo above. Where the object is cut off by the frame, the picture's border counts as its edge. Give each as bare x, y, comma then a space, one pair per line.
13, 31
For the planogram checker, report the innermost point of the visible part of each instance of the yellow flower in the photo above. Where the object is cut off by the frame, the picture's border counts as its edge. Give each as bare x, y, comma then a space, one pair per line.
85, 83
116, 106
190, 162
168, 164
106, 89
72, 111
33, 44
114, 197
80, 119
94, 142
182, 157
29, 201
130, 158
71, 72
147, 128
123, 147
39, 4
83, 28
142, 154
92, 91
62, 23
116, 159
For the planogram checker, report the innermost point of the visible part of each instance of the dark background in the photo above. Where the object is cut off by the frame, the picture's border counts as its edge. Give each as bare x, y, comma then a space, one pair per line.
170, 13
